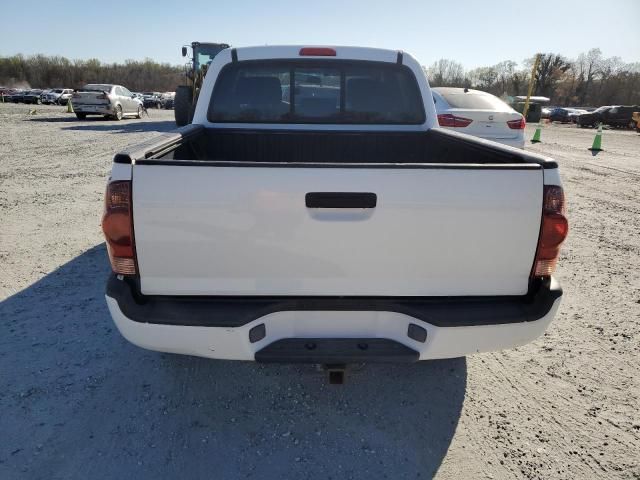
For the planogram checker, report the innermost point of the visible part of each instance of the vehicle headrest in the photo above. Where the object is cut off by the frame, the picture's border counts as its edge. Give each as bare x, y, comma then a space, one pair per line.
259, 90
361, 91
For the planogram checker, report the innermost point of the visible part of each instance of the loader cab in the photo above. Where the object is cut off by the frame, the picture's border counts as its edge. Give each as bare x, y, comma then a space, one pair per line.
202, 55
186, 95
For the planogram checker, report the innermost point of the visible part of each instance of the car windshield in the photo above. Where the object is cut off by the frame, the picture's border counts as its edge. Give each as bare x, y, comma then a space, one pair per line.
473, 100
602, 109
57, 91
339, 92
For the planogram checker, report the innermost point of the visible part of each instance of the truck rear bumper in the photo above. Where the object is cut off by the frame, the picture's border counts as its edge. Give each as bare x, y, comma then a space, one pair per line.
271, 330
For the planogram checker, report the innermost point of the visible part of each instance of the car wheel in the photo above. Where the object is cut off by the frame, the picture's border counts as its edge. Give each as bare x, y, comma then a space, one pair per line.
118, 114
81, 116
139, 114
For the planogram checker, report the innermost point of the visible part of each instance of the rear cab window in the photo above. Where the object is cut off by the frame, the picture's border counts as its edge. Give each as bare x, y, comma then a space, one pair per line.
309, 92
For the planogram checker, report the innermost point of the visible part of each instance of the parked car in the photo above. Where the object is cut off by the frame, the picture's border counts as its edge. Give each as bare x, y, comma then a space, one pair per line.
18, 96
592, 119
339, 226
111, 101
167, 100
545, 112
152, 99
620, 116
561, 114
479, 113
614, 116
574, 113
7, 93
33, 96
59, 96
636, 118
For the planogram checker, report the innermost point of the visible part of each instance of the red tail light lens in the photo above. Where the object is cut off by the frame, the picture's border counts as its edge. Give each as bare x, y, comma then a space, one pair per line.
553, 231
448, 120
117, 225
517, 124
317, 52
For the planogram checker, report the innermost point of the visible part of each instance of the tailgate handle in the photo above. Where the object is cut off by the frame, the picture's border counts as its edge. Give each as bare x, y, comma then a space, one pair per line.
341, 200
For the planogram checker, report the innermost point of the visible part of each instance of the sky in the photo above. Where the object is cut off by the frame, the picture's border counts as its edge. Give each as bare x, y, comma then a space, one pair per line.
474, 33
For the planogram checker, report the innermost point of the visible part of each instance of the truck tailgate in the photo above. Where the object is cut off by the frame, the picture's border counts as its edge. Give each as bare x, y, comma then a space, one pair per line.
247, 230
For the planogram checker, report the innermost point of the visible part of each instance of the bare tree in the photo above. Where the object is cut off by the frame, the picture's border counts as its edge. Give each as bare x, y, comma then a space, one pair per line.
505, 71
446, 72
550, 71
589, 80
588, 67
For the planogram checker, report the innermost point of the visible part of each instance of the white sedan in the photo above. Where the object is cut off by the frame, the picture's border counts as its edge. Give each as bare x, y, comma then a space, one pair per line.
480, 114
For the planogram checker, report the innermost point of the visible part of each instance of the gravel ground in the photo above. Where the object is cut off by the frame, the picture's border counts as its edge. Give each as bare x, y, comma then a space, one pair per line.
78, 401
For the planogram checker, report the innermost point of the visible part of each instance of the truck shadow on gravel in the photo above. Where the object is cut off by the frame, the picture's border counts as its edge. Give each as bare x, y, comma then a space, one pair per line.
78, 401
124, 126
99, 124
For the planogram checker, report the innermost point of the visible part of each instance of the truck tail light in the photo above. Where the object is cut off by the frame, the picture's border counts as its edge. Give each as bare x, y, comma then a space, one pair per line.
448, 120
75, 95
117, 225
317, 52
517, 124
103, 96
553, 231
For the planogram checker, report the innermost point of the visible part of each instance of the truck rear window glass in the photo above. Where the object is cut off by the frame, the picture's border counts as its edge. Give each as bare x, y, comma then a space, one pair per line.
336, 92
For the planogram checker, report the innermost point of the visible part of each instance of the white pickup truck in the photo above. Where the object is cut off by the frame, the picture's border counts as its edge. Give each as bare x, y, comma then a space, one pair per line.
314, 212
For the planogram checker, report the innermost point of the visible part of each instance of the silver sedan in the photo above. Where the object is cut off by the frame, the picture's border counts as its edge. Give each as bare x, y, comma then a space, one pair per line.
111, 101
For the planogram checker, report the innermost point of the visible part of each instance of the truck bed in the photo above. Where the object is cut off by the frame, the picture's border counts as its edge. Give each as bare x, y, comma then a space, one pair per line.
436, 147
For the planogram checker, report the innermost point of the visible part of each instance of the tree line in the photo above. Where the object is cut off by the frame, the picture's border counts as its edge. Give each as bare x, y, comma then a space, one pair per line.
588, 80
42, 71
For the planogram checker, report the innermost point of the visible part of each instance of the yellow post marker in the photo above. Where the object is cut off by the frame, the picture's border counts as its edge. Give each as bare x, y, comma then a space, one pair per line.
69, 106
531, 82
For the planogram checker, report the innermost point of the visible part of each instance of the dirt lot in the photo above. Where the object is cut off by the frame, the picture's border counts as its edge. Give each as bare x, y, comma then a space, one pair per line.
78, 401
